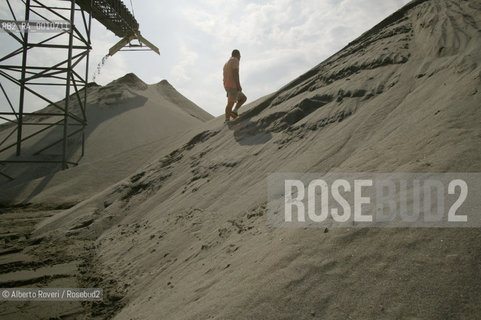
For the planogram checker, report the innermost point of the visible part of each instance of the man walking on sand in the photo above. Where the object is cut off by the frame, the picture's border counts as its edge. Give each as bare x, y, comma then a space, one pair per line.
232, 86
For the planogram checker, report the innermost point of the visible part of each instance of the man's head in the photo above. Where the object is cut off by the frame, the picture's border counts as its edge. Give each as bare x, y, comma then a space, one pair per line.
236, 53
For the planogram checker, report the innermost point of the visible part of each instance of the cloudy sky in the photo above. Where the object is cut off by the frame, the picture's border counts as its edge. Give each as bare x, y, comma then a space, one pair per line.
278, 39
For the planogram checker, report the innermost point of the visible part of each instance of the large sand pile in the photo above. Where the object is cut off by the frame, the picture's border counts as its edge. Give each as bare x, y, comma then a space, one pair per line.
186, 236
128, 123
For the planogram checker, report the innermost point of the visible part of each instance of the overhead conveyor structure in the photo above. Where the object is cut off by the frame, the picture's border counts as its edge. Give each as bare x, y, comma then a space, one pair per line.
21, 76
117, 18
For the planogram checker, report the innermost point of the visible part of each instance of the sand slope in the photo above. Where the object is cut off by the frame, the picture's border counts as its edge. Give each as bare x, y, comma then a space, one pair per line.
186, 236
128, 122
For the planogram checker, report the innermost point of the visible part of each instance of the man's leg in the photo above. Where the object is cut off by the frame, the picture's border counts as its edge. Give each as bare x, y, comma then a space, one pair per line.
228, 108
240, 101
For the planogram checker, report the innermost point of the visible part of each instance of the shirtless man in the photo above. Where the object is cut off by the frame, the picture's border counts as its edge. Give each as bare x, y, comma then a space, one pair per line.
232, 86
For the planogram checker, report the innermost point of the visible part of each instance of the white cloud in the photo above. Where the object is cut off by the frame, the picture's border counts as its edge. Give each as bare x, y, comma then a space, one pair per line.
183, 69
4, 14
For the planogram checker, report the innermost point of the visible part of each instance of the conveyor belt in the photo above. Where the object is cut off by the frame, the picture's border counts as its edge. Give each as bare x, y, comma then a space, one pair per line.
113, 14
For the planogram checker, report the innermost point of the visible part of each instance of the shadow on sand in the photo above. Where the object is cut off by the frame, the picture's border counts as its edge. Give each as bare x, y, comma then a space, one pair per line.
96, 115
248, 133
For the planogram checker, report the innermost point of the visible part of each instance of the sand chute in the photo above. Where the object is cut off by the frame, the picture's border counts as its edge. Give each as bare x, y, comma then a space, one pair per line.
133, 43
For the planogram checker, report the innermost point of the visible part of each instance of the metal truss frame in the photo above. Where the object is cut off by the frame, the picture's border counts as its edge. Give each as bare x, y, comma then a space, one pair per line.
29, 78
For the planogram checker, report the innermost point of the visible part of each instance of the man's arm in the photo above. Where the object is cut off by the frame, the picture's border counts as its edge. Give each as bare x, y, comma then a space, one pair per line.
236, 79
